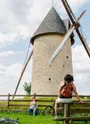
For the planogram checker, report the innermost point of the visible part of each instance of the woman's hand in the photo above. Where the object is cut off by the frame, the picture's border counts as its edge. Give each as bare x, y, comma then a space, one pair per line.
80, 101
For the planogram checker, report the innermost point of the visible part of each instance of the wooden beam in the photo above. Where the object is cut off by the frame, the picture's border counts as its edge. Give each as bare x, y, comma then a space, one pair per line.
73, 119
23, 70
68, 11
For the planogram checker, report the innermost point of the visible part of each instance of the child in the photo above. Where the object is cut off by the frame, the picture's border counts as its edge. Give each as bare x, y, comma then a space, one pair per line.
33, 107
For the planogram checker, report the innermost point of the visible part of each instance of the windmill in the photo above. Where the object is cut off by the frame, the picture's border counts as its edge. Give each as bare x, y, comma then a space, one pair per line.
45, 40
53, 40
75, 26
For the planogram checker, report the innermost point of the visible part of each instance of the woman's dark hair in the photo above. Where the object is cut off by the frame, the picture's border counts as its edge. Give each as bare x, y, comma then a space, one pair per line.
69, 78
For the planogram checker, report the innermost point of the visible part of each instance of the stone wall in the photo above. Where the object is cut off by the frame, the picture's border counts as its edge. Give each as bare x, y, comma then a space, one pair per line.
46, 78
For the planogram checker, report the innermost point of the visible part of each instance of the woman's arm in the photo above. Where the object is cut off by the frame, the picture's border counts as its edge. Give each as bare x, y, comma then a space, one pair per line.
60, 88
75, 91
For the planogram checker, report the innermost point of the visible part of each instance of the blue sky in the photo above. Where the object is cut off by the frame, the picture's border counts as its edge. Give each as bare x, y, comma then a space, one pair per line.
18, 21
85, 21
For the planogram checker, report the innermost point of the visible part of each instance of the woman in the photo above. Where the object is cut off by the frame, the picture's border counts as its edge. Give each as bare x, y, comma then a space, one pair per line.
65, 91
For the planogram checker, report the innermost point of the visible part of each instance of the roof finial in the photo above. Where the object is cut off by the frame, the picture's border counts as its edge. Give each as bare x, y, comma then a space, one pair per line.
52, 3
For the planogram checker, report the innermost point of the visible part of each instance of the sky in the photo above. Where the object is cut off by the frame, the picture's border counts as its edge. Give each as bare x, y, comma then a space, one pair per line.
19, 19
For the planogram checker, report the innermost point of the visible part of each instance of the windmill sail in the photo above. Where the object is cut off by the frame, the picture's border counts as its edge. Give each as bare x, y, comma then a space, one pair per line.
67, 7
70, 10
62, 44
65, 39
22, 73
83, 42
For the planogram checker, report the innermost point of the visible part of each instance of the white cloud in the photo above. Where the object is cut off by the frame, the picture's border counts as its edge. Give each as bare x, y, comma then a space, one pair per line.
77, 4
74, 4
9, 77
24, 16
6, 53
81, 69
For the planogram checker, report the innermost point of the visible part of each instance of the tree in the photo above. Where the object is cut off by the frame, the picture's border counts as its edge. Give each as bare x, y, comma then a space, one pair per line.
27, 88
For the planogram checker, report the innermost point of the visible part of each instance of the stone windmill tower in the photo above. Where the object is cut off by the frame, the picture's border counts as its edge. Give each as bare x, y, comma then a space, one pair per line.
46, 78
51, 34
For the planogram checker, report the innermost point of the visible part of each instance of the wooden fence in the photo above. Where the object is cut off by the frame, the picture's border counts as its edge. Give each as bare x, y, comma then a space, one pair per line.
22, 101
43, 100
71, 110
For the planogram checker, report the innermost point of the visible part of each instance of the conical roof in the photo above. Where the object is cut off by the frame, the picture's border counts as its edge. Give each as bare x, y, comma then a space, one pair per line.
52, 23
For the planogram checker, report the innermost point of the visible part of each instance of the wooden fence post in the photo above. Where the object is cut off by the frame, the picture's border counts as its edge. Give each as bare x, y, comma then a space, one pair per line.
34, 95
8, 100
66, 112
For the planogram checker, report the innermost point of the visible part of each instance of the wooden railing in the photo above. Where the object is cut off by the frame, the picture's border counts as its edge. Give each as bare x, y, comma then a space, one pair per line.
43, 100
70, 111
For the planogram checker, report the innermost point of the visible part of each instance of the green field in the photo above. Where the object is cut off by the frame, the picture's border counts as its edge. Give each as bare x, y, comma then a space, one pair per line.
24, 118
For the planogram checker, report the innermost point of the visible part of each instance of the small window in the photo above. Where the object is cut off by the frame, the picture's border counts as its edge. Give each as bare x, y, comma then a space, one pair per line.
63, 65
49, 79
67, 57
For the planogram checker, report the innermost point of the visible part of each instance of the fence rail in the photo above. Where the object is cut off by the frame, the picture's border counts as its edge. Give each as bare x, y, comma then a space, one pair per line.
37, 95
43, 100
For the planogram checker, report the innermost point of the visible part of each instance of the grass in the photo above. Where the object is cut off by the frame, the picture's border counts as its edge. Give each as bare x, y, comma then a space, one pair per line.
24, 118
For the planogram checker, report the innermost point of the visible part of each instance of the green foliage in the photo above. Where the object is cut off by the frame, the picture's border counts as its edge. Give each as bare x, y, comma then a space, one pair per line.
27, 88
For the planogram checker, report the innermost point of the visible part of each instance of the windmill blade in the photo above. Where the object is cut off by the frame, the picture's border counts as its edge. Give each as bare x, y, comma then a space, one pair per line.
62, 44
78, 19
83, 42
69, 8
75, 26
22, 73
81, 36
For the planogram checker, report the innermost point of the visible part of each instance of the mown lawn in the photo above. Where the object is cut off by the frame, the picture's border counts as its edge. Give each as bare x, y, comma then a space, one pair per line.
24, 118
